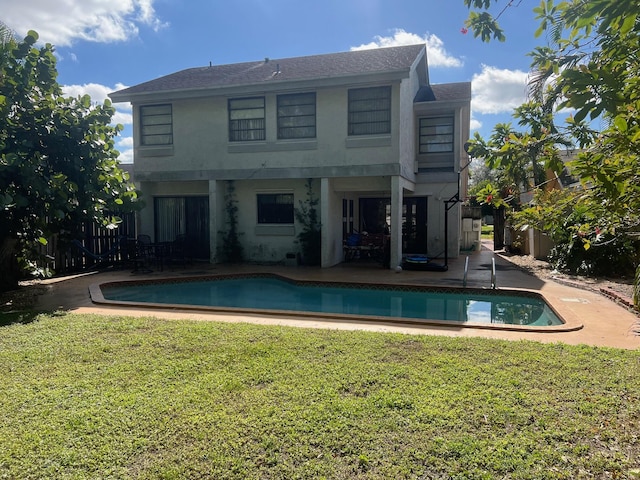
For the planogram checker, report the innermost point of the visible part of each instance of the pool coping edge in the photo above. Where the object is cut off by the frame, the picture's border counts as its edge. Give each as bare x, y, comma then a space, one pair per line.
571, 323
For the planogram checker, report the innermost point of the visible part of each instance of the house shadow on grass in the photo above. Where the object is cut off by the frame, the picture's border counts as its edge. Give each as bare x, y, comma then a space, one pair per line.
19, 305
13, 317
24, 317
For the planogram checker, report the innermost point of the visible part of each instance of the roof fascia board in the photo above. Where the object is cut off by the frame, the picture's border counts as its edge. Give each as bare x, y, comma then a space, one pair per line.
423, 73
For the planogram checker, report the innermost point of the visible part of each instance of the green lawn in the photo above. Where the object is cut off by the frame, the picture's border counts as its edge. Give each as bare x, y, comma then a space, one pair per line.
106, 397
487, 232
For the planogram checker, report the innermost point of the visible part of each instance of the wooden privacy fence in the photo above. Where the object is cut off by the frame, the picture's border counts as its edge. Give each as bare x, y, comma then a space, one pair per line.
100, 246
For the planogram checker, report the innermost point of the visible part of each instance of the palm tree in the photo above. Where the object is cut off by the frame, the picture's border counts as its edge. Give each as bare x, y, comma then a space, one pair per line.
6, 34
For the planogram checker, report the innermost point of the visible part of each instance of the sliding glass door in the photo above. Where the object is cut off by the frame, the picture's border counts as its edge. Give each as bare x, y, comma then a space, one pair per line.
184, 217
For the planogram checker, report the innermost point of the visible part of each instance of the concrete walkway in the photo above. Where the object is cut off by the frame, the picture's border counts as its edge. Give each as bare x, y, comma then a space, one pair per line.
603, 322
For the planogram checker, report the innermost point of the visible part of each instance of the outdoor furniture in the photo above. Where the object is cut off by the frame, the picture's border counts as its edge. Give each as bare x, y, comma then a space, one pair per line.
155, 253
364, 246
108, 257
179, 250
135, 256
158, 253
143, 240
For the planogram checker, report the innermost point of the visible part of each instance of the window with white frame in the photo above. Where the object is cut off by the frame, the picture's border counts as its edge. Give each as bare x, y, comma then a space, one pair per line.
156, 125
436, 135
275, 208
246, 119
297, 116
370, 111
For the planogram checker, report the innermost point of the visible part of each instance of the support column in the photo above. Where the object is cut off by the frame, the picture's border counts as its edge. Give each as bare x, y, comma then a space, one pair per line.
396, 222
213, 220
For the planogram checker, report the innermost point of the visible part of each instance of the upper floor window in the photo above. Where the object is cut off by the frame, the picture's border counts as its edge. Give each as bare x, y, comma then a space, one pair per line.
370, 111
156, 125
297, 116
275, 208
436, 135
246, 119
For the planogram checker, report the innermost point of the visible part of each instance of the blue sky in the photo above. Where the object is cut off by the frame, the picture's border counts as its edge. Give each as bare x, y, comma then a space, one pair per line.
105, 45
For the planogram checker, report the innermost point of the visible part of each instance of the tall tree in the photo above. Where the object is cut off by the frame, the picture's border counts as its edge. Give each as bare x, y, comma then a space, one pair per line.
590, 63
58, 163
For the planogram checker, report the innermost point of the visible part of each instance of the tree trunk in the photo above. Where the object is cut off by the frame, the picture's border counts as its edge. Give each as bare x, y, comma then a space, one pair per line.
498, 228
8, 265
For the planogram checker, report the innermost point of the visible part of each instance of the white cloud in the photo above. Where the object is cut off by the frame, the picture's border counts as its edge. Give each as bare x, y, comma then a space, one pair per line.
436, 53
122, 117
126, 142
98, 94
497, 90
61, 22
475, 124
125, 146
126, 156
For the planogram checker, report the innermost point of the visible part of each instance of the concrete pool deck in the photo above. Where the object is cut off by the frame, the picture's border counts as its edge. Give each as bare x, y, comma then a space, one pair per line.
604, 322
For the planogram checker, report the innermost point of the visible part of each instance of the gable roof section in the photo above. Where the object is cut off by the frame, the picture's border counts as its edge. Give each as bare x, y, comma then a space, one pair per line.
444, 92
333, 65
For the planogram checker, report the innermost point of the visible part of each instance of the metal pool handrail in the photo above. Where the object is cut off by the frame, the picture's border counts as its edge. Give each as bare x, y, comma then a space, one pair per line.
466, 271
493, 273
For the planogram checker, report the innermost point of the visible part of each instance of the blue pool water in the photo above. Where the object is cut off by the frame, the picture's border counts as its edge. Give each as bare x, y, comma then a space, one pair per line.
272, 293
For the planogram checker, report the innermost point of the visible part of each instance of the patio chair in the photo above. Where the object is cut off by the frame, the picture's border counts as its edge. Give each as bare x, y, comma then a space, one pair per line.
351, 246
136, 257
180, 250
158, 253
144, 239
145, 249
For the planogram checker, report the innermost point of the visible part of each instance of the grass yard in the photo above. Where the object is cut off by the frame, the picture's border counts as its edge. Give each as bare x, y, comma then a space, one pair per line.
106, 397
486, 232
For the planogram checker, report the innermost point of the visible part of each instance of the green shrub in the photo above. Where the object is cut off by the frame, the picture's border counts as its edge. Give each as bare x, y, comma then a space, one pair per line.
231, 249
609, 258
310, 237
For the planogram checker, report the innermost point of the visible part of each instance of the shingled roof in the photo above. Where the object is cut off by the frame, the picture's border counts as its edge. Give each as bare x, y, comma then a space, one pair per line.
444, 92
360, 62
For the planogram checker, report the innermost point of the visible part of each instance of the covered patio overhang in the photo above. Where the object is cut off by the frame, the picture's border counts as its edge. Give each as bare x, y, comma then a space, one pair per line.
340, 213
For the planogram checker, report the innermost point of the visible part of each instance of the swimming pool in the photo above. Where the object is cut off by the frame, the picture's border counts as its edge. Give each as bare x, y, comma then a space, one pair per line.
270, 293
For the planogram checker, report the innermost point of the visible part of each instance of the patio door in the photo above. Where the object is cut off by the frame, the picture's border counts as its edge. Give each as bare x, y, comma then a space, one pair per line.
375, 217
414, 225
188, 216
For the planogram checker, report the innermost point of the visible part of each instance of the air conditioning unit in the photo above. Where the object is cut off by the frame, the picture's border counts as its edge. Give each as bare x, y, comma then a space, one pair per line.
477, 225
467, 224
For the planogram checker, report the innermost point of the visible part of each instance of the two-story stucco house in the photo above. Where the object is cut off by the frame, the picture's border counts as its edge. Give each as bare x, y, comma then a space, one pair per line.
380, 143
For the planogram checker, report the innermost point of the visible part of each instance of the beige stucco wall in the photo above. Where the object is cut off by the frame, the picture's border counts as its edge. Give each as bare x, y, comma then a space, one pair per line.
266, 243
407, 130
272, 244
437, 193
202, 158
201, 149
441, 186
